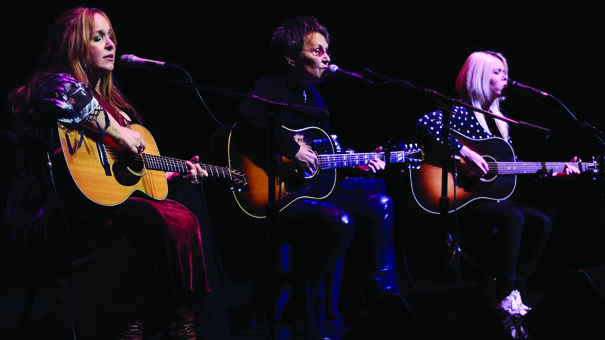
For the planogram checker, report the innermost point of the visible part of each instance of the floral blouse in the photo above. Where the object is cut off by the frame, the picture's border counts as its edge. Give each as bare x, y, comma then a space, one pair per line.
60, 99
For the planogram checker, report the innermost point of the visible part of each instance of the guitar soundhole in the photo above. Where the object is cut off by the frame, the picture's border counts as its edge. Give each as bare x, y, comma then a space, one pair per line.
307, 174
492, 174
128, 172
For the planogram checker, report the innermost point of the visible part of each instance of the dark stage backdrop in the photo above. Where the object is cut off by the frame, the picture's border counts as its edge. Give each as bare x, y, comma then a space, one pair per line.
554, 49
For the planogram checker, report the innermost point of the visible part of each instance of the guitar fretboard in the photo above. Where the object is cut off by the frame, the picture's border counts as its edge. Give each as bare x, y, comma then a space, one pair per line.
519, 168
154, 162
348, 160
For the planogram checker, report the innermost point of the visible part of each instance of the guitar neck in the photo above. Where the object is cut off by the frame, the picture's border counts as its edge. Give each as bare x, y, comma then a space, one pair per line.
519, 168
349, 160
154, 162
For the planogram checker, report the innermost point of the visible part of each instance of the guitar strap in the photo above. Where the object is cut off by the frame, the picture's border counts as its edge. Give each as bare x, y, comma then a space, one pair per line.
319, 102
493, 127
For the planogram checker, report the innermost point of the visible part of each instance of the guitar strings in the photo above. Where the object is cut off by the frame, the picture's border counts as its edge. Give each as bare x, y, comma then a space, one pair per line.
329, 161
532, 167
172, 164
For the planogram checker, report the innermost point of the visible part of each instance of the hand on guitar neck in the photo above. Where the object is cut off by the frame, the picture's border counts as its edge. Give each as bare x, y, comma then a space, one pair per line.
375, 165
569, 172
195, 174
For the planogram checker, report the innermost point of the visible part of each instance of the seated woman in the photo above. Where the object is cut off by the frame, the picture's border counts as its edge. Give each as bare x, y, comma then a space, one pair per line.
520, 231
359, 224
102, 273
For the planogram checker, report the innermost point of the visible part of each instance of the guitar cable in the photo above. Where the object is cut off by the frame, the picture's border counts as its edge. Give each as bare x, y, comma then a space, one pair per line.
69, 240
49, 146
215, 250
455, 206
190, 81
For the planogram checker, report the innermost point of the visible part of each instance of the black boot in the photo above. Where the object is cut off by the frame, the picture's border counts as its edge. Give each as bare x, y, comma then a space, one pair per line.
181, 325
130, 331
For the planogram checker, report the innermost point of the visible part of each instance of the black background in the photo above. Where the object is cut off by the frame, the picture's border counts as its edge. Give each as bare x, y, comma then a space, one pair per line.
557, 49
554, 49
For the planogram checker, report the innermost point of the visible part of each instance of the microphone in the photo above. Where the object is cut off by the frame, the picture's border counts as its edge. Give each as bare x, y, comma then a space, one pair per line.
518, 87
132, 61
335, 71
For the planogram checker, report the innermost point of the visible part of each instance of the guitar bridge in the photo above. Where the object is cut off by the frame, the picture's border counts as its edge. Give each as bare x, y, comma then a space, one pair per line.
103, 158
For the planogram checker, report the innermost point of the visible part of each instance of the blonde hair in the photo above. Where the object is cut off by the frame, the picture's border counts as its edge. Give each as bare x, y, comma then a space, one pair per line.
67, 51
473, 85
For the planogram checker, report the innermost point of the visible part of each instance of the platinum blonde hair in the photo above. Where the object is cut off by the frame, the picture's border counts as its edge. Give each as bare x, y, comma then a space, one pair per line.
473, 85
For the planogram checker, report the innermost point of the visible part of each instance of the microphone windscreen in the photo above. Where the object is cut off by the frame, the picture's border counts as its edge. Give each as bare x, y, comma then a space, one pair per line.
332, 70
125, 60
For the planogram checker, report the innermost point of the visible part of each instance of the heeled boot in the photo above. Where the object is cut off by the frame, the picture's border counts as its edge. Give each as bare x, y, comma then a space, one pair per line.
181, 325
130, 331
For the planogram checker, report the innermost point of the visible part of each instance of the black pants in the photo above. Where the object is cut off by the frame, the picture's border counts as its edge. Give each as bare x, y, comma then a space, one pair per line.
520, 233
359, 223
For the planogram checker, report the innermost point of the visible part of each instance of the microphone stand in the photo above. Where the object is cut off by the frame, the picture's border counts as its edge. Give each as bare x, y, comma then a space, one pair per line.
272, 208
452, 241
536, 97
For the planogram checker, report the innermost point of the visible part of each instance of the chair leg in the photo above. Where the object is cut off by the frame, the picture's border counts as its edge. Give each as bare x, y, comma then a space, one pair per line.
27, 308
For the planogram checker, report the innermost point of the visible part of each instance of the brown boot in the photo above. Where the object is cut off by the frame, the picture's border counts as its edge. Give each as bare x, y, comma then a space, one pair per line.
130, 331
181, 326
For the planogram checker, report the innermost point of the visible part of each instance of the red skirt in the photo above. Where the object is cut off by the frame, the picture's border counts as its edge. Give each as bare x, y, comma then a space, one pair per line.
141, 254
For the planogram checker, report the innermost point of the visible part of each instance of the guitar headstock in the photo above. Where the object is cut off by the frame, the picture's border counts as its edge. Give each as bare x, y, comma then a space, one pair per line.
414, 155
239, 183
591, 167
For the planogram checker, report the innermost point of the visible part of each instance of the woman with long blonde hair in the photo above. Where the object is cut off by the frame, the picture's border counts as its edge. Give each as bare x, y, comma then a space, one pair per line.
482, 82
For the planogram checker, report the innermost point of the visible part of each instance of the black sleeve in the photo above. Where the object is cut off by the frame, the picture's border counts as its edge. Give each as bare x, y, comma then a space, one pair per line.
273, 88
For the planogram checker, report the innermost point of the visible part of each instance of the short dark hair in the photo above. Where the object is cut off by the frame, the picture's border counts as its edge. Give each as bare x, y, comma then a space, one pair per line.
289, 38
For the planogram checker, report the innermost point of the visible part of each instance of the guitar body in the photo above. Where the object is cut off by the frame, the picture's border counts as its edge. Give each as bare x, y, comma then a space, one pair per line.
426, 181
291, 184
107, 177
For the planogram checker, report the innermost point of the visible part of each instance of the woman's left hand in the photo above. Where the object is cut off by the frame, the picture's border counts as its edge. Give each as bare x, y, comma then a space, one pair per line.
375, 165
195, 174
569, 172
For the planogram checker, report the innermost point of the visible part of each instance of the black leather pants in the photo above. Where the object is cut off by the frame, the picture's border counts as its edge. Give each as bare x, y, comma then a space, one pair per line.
359, 223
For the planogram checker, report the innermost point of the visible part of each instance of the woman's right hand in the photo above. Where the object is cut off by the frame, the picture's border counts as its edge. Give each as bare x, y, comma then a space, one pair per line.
307, 159
478, 165
126, 139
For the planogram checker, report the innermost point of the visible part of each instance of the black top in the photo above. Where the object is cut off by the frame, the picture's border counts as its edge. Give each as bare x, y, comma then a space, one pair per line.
278, 88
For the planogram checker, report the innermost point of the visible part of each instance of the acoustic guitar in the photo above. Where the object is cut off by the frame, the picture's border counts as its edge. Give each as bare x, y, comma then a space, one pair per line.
108, 177
292, 182
498, 184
